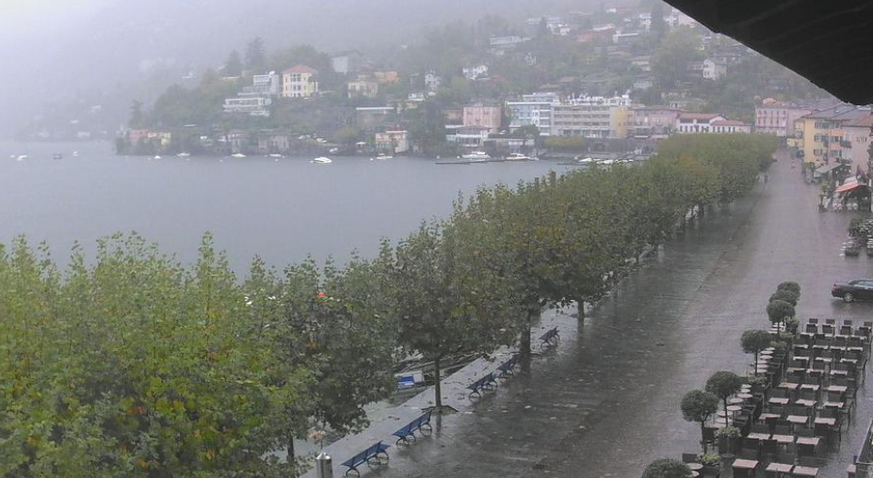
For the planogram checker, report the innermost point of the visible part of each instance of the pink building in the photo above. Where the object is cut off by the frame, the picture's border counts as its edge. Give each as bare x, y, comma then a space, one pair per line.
777, 118
649, 120
483, 116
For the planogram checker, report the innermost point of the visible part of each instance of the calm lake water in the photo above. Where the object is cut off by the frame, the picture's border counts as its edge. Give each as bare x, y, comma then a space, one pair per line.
280, 210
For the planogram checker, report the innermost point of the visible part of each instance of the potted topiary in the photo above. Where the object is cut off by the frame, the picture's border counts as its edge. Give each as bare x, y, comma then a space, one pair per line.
729, 439
667, 468
758, 383
711, 464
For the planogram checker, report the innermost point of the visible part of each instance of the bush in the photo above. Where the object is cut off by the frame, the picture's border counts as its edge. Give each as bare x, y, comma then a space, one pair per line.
667, 468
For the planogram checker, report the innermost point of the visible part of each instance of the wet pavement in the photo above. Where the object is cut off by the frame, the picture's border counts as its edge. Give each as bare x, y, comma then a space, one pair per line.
605, 402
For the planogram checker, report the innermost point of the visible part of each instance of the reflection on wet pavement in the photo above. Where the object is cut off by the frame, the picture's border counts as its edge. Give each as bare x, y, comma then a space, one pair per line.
605, 402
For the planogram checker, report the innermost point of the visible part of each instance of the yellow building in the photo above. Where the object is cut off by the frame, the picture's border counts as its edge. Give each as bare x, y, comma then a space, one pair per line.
821, 135
299, 82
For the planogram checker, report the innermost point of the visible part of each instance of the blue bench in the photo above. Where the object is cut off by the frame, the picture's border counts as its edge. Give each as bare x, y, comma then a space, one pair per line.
407, 432
551, 337
487, 382
506, 367
372, 456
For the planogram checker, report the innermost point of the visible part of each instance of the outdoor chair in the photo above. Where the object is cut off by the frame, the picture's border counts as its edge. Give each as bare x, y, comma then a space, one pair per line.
689, 458
749, 454
830, 321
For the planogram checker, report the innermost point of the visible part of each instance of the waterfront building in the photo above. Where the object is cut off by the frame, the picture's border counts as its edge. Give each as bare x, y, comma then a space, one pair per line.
392, 141
653, 120
299, 82
821, 137
482, 115
592, 117
250, 105
363, 88
777, 118
533, 110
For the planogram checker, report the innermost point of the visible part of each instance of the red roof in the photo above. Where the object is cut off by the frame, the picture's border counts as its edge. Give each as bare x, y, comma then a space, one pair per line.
301, 69
865, 122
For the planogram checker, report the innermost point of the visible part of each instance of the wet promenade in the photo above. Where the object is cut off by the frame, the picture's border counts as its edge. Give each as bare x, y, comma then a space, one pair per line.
606, 401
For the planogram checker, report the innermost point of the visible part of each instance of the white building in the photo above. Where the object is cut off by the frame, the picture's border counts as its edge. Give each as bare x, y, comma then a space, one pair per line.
299, 82
251, 105
476, 72
698, 123
592, 117
507, 41
432, 81
346, 62
533, 110
714, 68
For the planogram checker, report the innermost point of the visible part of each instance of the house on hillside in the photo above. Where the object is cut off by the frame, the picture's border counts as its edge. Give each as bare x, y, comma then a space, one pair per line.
347, 62
299, 82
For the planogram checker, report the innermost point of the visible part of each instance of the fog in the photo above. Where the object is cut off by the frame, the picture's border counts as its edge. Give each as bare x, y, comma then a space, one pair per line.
57, 50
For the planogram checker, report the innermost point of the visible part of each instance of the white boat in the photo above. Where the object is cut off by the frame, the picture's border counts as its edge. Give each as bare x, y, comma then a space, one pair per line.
21, 158
383, 157
607, 162
334, 150
75, 154
519, 157
158, 157
586, 160
476, 156
276, 156
238, 155
322, 160
183, 155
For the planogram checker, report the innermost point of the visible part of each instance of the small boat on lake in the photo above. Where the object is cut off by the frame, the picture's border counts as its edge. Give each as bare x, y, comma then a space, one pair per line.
238, 155
183, 155
322, 160
477, 156
57, 156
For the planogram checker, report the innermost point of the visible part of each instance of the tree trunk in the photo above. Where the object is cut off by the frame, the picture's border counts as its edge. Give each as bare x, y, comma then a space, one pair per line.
756, 362
437, 389
580, 307
524, 343
702, 435
291, 457
724, 399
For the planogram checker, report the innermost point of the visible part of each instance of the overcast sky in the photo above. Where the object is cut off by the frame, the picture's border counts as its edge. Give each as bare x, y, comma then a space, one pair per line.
52, 49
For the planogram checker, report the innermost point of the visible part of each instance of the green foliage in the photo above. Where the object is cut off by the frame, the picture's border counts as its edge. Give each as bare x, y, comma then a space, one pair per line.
233, 67
729, 432
565, 143
428, 129
754, 341
737, 157
790, 286
670, 61
786, 296
710, 459
256, 55
667, 468
779, 310
698, 406
723, 384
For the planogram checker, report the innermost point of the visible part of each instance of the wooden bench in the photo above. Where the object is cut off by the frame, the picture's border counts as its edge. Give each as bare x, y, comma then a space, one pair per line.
506, 367
485, 383
372, 456
551, 337
407, 432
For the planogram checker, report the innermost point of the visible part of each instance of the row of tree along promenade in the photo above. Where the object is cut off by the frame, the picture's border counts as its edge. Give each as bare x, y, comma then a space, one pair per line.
133, 364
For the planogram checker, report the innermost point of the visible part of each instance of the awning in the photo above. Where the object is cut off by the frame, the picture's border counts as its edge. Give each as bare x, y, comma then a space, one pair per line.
827, 168
850, 186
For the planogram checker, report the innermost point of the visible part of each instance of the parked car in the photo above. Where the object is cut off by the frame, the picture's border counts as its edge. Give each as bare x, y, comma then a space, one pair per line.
860, 289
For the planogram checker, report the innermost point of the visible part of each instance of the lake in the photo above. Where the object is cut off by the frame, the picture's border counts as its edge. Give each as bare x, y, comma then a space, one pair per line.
280, 210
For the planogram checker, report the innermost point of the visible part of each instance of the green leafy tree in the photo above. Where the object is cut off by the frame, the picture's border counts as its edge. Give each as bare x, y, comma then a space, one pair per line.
446, 302
793, 287
785, 295
428, 129
233, 67
670, 61
698, 406
256, 55
667, 468
779, 310
659, 26
724, 384
754, 341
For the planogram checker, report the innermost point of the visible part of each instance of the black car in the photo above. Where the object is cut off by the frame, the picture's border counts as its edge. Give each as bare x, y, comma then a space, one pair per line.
861, 289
